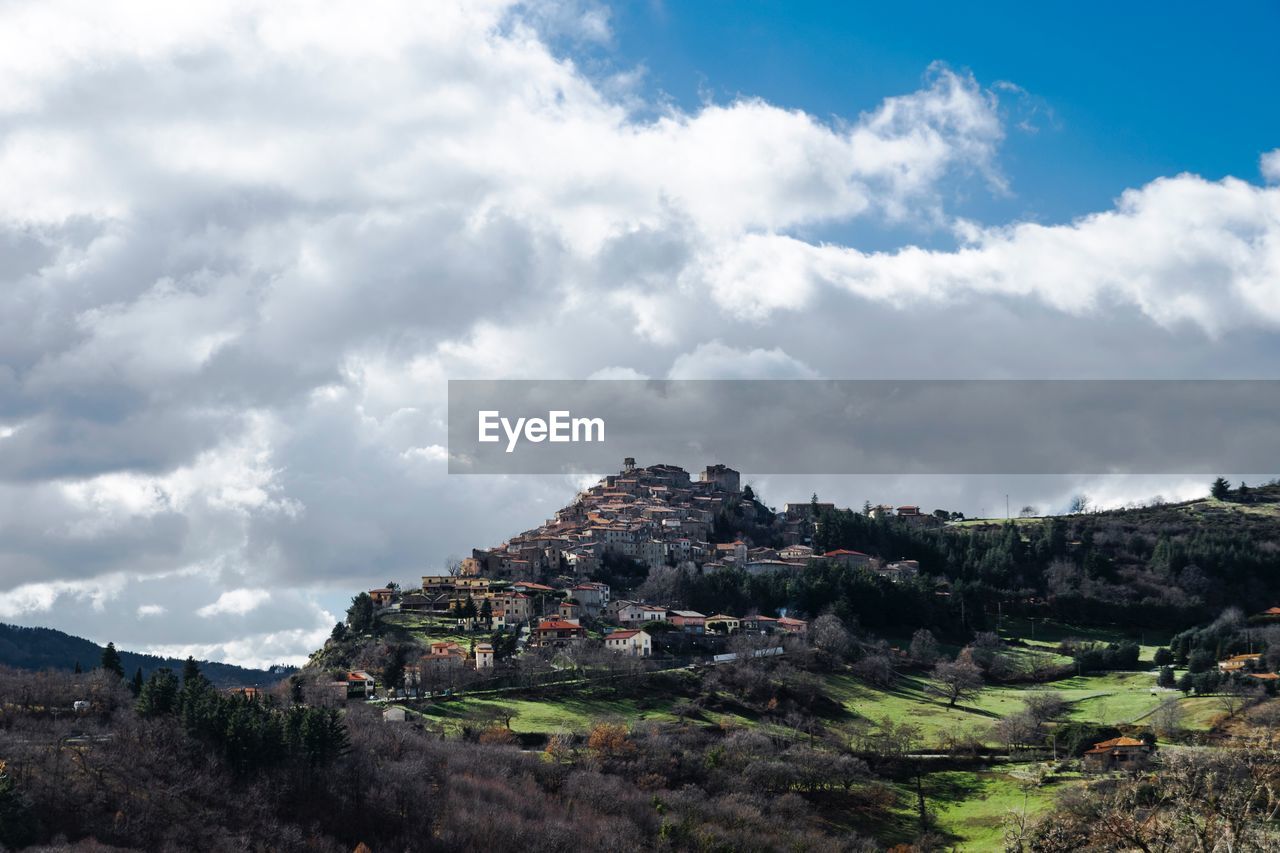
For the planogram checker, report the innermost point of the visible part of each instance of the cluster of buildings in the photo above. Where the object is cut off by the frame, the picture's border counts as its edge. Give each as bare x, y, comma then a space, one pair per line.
659, 515
656, 515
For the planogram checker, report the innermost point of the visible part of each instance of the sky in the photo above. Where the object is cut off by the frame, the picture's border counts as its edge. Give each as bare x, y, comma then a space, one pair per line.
244, 245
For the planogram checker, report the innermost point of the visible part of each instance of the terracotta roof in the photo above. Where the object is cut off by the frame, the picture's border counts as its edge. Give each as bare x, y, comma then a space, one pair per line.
1115, 742
842, 552
621, 635
1264, 676
558, 625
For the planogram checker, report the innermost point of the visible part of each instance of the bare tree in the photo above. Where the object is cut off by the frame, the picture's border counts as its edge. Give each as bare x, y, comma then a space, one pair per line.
1167, 719
924, 647
955, 680
1045, 705
829, 634
1234, 696
1079, 504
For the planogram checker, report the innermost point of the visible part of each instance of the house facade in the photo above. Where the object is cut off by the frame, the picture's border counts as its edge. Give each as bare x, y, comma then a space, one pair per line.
630, 642
1119, 753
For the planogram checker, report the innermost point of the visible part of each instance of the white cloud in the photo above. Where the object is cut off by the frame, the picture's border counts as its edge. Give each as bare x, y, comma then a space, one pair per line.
235, 602
1180, 250
1269, 165
151, 610
715, 360
247, 243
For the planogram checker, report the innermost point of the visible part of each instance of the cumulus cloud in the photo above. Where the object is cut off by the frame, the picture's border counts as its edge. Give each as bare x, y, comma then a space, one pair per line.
245, 245
1269, 165
235, 602
714, 360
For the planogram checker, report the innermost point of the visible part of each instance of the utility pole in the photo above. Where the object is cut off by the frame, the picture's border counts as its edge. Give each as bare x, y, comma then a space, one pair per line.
1006, 507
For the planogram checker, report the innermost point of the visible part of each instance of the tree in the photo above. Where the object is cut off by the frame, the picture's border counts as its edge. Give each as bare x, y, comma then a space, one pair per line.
1079, 504
135, 686
17, 819
876, 668
1233, 696
1167, 719
339, 632
1045, 705
955, 680
830, 635
111, 660
393, 670
924, 647
160, 694
79, 670
360, 614
1166, 678
190, 671
1163, 657
1220, 488
1028, 511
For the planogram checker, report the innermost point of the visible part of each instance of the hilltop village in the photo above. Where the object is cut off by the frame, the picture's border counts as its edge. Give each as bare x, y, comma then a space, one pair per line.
542, 590
658, 516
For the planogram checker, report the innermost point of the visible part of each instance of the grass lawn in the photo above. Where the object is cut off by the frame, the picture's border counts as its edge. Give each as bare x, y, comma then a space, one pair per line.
562, 713
1046, 635
430, 629
1111, 698
971, 806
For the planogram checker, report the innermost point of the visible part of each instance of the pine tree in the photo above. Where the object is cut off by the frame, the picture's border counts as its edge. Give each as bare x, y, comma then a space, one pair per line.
111, 660
360, 613
1220, 488
79, 670
135, 686
160, 694
17, 820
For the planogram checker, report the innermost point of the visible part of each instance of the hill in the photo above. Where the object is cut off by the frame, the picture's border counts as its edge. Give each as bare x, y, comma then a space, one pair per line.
46, 648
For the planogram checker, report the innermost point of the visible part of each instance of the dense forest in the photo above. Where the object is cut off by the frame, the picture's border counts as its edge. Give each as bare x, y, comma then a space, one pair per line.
45, 648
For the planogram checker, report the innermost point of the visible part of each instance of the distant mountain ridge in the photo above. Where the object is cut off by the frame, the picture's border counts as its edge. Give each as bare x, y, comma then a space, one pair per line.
47, 648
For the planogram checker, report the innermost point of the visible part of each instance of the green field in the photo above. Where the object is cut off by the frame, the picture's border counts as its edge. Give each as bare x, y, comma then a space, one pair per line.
429, 629
1114, 698
972, 806
571, 714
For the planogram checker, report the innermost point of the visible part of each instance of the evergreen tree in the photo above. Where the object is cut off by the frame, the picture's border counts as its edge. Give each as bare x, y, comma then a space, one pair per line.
78, 669
360, 613
135, 686
1220, 488
111, 660
160, 694
393, 670
17, 819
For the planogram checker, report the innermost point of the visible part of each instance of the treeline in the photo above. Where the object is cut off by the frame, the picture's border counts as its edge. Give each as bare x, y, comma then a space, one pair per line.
251, 733
46, 648
1162, 567
135, 774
